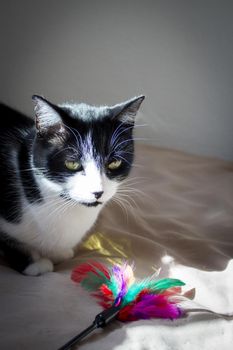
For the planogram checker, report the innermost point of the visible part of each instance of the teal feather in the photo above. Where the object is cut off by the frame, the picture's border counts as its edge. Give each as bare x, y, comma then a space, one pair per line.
113, 286
132, 293
152, 286
164, 284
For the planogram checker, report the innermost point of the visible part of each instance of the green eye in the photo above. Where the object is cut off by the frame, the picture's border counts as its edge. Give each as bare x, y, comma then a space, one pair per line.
114, 165
72, 165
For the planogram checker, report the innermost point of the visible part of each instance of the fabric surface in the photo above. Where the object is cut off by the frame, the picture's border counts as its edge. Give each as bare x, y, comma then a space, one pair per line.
174, 204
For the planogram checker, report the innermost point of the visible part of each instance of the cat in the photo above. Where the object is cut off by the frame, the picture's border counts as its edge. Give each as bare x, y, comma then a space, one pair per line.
56, 174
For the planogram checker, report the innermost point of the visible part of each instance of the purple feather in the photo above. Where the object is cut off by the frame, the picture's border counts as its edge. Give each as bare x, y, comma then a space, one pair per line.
119, 274
150, 306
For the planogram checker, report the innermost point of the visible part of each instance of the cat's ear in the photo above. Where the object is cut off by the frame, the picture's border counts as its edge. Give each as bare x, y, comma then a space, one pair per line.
48, 121
126, 111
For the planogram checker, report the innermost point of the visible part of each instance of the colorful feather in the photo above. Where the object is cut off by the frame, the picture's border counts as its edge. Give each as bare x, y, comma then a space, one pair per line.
90, 275
149, 306
116, 286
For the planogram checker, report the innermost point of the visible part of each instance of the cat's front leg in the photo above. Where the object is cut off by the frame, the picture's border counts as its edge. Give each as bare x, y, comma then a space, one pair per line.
21, 258
38, 266
59, 256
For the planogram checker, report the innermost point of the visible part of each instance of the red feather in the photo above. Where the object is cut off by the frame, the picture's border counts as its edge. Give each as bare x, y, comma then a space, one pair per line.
81, 271
103, 300
104, 296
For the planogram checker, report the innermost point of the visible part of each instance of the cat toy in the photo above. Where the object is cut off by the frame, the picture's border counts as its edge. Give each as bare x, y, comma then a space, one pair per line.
124, 298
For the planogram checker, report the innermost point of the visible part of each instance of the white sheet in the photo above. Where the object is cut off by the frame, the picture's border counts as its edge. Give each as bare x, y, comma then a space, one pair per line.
184, 210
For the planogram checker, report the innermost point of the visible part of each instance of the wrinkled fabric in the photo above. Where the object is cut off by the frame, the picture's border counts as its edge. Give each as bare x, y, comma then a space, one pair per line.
176, 214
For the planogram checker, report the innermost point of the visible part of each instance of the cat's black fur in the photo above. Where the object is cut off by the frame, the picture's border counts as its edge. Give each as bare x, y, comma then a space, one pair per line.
50, 145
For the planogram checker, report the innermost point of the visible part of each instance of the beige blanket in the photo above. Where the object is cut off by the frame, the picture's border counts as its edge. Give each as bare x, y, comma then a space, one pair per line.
175, 205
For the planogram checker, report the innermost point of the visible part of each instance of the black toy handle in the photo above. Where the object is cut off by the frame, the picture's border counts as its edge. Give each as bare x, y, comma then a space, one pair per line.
100, 321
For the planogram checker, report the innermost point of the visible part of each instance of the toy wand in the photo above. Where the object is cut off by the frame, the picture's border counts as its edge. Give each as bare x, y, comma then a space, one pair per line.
124, 298
100, 321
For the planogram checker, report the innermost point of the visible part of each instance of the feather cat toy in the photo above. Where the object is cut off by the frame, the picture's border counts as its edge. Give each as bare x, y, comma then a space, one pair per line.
124, 298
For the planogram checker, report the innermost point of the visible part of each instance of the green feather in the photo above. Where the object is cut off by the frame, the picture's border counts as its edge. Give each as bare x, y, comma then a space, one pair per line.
152, 286
92, 281
165, 284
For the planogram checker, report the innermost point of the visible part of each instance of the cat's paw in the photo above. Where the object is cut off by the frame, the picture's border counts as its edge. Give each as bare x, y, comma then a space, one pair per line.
39, 267
63, 255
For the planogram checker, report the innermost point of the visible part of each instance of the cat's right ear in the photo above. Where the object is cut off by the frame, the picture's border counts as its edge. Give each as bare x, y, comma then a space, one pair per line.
126, 111
48, 121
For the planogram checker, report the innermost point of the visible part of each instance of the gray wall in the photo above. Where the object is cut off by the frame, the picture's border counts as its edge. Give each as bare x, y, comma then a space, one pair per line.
178, 52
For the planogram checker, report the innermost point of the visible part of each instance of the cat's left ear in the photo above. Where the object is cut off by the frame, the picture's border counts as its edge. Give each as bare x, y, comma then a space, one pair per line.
48, 121
127, 111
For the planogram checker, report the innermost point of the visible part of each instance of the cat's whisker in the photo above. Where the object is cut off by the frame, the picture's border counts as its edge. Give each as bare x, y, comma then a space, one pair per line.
126, 152
40, 203
131, 207
116, 134
59, 206
116, 137
136, 193
127, 198
117, 148
76, 133
132, 139
65, 149
130, 189
32, 169
135, 180
130, 184
137, 165
123, 158
140, 195
116, 200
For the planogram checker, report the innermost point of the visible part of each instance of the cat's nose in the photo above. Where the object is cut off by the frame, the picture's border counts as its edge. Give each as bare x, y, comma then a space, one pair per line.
98, 194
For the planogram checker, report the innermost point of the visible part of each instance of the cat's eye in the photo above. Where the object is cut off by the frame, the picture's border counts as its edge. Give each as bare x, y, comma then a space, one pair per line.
73, 165
114, 164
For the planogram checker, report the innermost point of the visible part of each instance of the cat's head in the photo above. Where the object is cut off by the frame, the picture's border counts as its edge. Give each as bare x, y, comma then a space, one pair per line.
83, 152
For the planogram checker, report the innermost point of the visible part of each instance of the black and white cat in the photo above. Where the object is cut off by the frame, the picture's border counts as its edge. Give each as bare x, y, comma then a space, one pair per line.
56, 174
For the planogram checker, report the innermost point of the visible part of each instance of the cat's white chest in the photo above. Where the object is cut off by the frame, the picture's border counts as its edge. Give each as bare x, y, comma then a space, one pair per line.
53, 228
62, 227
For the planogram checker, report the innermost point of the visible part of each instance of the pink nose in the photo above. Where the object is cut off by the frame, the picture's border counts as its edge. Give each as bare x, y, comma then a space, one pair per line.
98, 194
